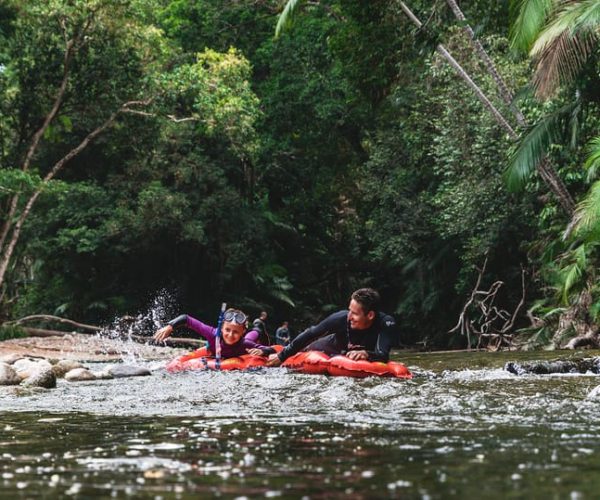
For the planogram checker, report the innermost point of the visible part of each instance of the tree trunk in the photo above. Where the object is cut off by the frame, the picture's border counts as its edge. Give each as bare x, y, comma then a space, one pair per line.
6, 252
503, 89
546, 172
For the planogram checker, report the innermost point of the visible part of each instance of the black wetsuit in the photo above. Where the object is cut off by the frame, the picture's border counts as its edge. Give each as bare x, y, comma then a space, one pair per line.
377, 340
258, 325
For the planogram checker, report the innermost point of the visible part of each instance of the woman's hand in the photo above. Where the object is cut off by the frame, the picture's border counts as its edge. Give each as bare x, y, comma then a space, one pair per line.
163, 333
255, 351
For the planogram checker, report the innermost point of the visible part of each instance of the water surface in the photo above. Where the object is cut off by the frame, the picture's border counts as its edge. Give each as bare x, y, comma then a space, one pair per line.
463, 427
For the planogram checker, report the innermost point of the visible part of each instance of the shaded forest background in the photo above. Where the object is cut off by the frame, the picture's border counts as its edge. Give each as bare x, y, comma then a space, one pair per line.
281, 173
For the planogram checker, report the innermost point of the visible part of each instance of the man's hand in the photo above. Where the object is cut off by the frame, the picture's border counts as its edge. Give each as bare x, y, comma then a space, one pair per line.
163, 333
357, 355
273, 360
255, 351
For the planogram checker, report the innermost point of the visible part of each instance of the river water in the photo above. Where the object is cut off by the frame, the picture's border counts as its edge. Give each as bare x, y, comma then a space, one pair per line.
463, 427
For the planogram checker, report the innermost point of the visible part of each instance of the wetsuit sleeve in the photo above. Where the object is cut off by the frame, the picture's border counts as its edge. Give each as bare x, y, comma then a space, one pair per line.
206, 331
250, 344
387, 338
330, 324
178, 321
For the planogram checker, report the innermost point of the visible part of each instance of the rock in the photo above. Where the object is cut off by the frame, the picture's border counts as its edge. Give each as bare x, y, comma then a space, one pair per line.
584, 365
26, 367
8, 376
79, 375
64, 366
120, 371
44, 377
103, 375
10, 358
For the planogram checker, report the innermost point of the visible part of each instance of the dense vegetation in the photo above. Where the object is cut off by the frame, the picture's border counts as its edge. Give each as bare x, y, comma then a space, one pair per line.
178, 145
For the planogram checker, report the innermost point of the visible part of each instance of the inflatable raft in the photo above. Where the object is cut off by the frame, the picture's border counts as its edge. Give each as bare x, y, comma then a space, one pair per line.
314, 362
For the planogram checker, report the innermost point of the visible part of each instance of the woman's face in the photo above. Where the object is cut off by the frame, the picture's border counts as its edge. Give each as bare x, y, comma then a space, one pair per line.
232, 332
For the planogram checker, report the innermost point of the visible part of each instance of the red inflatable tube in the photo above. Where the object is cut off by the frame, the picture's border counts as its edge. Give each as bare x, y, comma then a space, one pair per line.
313, 362
341, 366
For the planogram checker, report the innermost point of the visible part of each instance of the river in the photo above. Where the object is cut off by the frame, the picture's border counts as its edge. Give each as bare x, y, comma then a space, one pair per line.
462, 427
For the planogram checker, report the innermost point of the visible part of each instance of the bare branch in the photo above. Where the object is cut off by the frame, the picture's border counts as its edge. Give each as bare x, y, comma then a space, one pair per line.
48, 317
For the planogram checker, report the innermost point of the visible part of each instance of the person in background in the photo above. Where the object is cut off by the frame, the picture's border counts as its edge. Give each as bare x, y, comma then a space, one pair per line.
360, 332
282, 334
259, 333
233, 344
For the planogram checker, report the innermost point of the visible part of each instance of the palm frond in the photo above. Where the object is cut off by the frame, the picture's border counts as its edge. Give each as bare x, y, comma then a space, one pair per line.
573, 273
588, 211
592, 163
286, 17
564, 45
533, 147
530, 17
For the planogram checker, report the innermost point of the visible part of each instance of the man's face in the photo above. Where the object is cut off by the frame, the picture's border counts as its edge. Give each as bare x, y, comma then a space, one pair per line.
357, 317
232, 332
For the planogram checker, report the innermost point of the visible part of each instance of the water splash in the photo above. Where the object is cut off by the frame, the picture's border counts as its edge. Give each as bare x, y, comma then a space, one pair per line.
133, 331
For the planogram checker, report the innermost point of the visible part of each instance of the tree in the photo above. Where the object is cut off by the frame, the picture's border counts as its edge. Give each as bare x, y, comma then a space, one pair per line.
547, 174
75, 69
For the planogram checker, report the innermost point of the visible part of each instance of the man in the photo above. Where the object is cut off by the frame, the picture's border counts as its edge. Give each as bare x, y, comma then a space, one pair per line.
361, 332
260, 325
282, 334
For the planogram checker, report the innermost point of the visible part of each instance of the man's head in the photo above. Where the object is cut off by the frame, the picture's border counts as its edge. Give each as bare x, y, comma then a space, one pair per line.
263, 315
363, 308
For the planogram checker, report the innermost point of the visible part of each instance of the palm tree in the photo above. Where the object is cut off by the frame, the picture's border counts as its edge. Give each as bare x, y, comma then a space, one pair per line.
560, 36
541, 164
567, 32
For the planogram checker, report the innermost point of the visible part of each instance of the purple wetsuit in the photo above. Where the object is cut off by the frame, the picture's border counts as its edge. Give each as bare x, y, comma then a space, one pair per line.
210, 334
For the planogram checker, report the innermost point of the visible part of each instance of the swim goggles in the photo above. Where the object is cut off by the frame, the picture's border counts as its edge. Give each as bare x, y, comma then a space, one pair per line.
233, 316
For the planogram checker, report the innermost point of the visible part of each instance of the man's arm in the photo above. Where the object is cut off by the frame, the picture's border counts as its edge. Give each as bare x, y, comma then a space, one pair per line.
386, 339
330, 324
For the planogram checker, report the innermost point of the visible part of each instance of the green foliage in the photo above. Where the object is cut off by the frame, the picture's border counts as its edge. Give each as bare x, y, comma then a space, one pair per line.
285, 18
11, 332
592, 164
14, 181
536, 143
281, 173
529, 17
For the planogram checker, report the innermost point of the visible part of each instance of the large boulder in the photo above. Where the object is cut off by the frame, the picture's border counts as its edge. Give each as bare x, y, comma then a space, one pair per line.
26, 367
44, 377
8, 376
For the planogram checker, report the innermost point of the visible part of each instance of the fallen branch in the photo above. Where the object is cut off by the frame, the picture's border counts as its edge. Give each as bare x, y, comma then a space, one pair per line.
48, 317
169, 342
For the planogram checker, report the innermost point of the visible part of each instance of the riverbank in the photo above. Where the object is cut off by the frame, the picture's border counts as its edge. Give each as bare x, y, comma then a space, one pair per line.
85, 348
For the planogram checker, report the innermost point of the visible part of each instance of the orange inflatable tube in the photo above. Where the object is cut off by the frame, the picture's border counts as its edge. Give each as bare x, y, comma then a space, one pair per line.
202, 359
313, 362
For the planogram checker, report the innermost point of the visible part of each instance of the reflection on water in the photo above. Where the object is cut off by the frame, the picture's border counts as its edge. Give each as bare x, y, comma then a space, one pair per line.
479, 432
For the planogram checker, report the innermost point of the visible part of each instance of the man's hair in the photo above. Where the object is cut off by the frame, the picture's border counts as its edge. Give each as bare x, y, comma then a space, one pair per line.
368, 298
